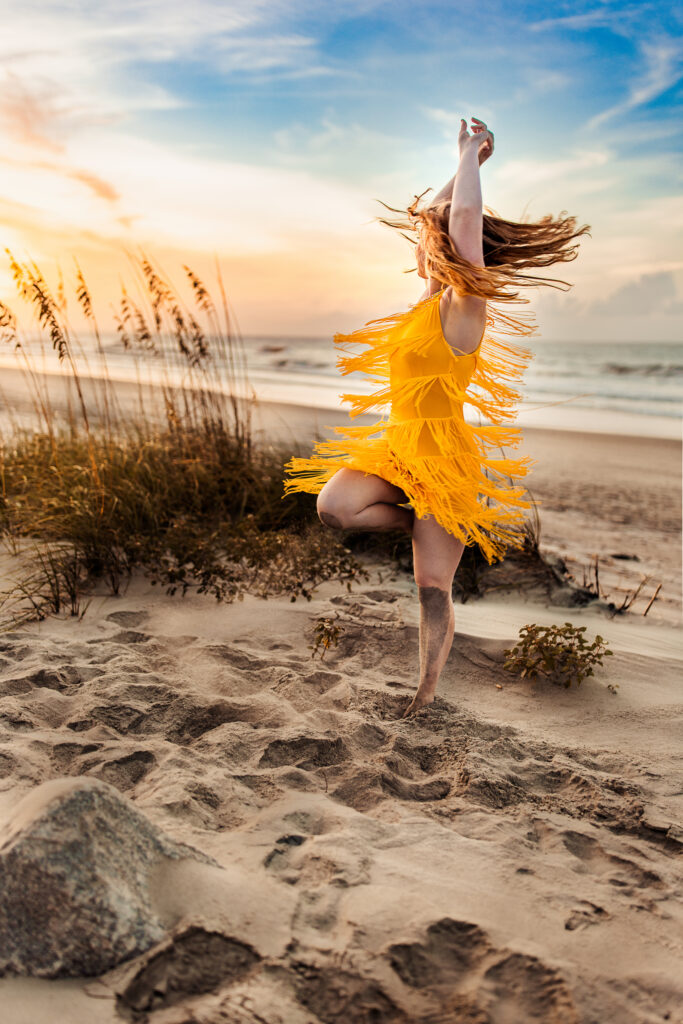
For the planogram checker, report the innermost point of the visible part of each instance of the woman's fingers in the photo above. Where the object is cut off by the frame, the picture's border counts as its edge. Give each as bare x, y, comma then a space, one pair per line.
479, 126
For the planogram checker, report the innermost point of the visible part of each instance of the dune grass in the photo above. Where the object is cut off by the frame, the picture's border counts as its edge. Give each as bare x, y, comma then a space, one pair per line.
169, 481
172, 485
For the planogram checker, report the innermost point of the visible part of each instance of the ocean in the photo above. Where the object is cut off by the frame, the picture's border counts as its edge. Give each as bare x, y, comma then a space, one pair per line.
611, 387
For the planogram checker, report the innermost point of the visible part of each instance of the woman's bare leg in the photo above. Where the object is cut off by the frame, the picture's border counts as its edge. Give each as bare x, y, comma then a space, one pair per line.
436, 556
353, 500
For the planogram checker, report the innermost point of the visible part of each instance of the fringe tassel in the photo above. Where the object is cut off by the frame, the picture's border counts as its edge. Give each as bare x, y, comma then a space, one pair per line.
458, 471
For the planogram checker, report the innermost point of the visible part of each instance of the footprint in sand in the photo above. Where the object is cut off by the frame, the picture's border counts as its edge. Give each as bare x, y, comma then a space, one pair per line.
585, 914
194, 962
128, 619
619, 871
473, 980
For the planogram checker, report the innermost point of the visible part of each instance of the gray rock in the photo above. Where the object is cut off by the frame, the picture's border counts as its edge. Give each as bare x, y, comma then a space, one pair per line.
75, 861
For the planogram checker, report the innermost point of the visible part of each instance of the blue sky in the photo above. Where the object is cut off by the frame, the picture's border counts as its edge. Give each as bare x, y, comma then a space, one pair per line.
263, 132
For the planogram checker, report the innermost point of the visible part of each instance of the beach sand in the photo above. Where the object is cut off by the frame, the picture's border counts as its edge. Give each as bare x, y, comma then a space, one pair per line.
510, 855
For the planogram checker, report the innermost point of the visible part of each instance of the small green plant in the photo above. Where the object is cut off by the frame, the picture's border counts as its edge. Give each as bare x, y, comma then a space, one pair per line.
325, 633
560, 653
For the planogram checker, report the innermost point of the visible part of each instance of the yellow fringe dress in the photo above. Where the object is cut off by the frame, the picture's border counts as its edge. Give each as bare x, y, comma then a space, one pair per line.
444, 465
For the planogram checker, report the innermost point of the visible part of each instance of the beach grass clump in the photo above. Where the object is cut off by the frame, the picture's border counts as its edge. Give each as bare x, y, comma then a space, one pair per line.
186, 507
171, 484
560, 654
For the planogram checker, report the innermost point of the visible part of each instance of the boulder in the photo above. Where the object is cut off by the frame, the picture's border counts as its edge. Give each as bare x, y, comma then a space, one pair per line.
75, 863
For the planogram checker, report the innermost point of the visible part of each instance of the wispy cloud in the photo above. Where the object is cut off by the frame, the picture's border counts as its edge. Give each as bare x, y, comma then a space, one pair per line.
229, 36
533, 171
257, 53
174, 196
340, 149
98, 186
663, 69
600, 17
659, 48
29, 116
449, 120
539, 81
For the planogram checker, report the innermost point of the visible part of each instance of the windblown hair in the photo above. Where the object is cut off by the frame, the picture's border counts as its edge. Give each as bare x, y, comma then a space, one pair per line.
509, 247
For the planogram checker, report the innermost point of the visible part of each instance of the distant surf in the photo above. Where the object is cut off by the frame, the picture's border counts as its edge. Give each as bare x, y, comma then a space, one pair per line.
611, 387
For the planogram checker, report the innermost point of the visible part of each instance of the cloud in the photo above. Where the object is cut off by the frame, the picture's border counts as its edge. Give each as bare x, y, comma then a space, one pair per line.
663, 69
226, 35
661, 54
523, 172
255, 53
650, 294
99, 66
341, 149
174, 197
535, 82
449, 120
598, 18
29, 116
98, 186
40, 113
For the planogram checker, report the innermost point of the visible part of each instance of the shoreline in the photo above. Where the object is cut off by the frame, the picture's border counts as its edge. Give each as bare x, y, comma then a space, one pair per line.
558, 416
597, 495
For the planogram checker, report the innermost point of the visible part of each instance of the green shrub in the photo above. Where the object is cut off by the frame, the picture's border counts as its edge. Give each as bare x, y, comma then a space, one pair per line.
559, 653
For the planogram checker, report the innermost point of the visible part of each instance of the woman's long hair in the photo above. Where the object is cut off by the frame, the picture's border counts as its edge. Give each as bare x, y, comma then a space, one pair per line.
509, 247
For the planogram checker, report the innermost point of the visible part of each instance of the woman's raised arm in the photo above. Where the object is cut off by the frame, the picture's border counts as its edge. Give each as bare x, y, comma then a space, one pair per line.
466, 221
463, 317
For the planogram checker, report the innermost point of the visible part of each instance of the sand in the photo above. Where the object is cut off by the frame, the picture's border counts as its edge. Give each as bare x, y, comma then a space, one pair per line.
510, 855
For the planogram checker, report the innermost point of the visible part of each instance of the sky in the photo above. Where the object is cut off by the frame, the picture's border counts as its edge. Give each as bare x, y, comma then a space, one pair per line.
257, 136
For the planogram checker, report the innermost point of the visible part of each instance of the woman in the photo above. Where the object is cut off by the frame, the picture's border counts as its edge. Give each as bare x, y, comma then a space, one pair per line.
426, 455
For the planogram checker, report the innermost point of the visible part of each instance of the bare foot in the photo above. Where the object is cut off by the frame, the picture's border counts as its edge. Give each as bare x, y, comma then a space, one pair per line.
420, 700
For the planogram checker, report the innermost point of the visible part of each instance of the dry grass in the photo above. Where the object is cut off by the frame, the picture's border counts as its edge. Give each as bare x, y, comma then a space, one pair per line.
173, 486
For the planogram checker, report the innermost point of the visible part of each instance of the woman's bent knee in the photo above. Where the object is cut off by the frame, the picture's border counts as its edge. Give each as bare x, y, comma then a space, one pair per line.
330, 513
329, 519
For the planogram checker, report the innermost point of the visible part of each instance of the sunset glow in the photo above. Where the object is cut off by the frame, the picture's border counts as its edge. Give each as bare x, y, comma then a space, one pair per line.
262, 134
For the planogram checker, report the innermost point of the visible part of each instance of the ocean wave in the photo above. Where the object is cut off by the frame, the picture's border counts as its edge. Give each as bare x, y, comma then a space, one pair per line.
644, 369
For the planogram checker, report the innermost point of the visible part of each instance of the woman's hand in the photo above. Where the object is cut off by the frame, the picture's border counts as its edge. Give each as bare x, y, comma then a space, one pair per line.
481, 140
